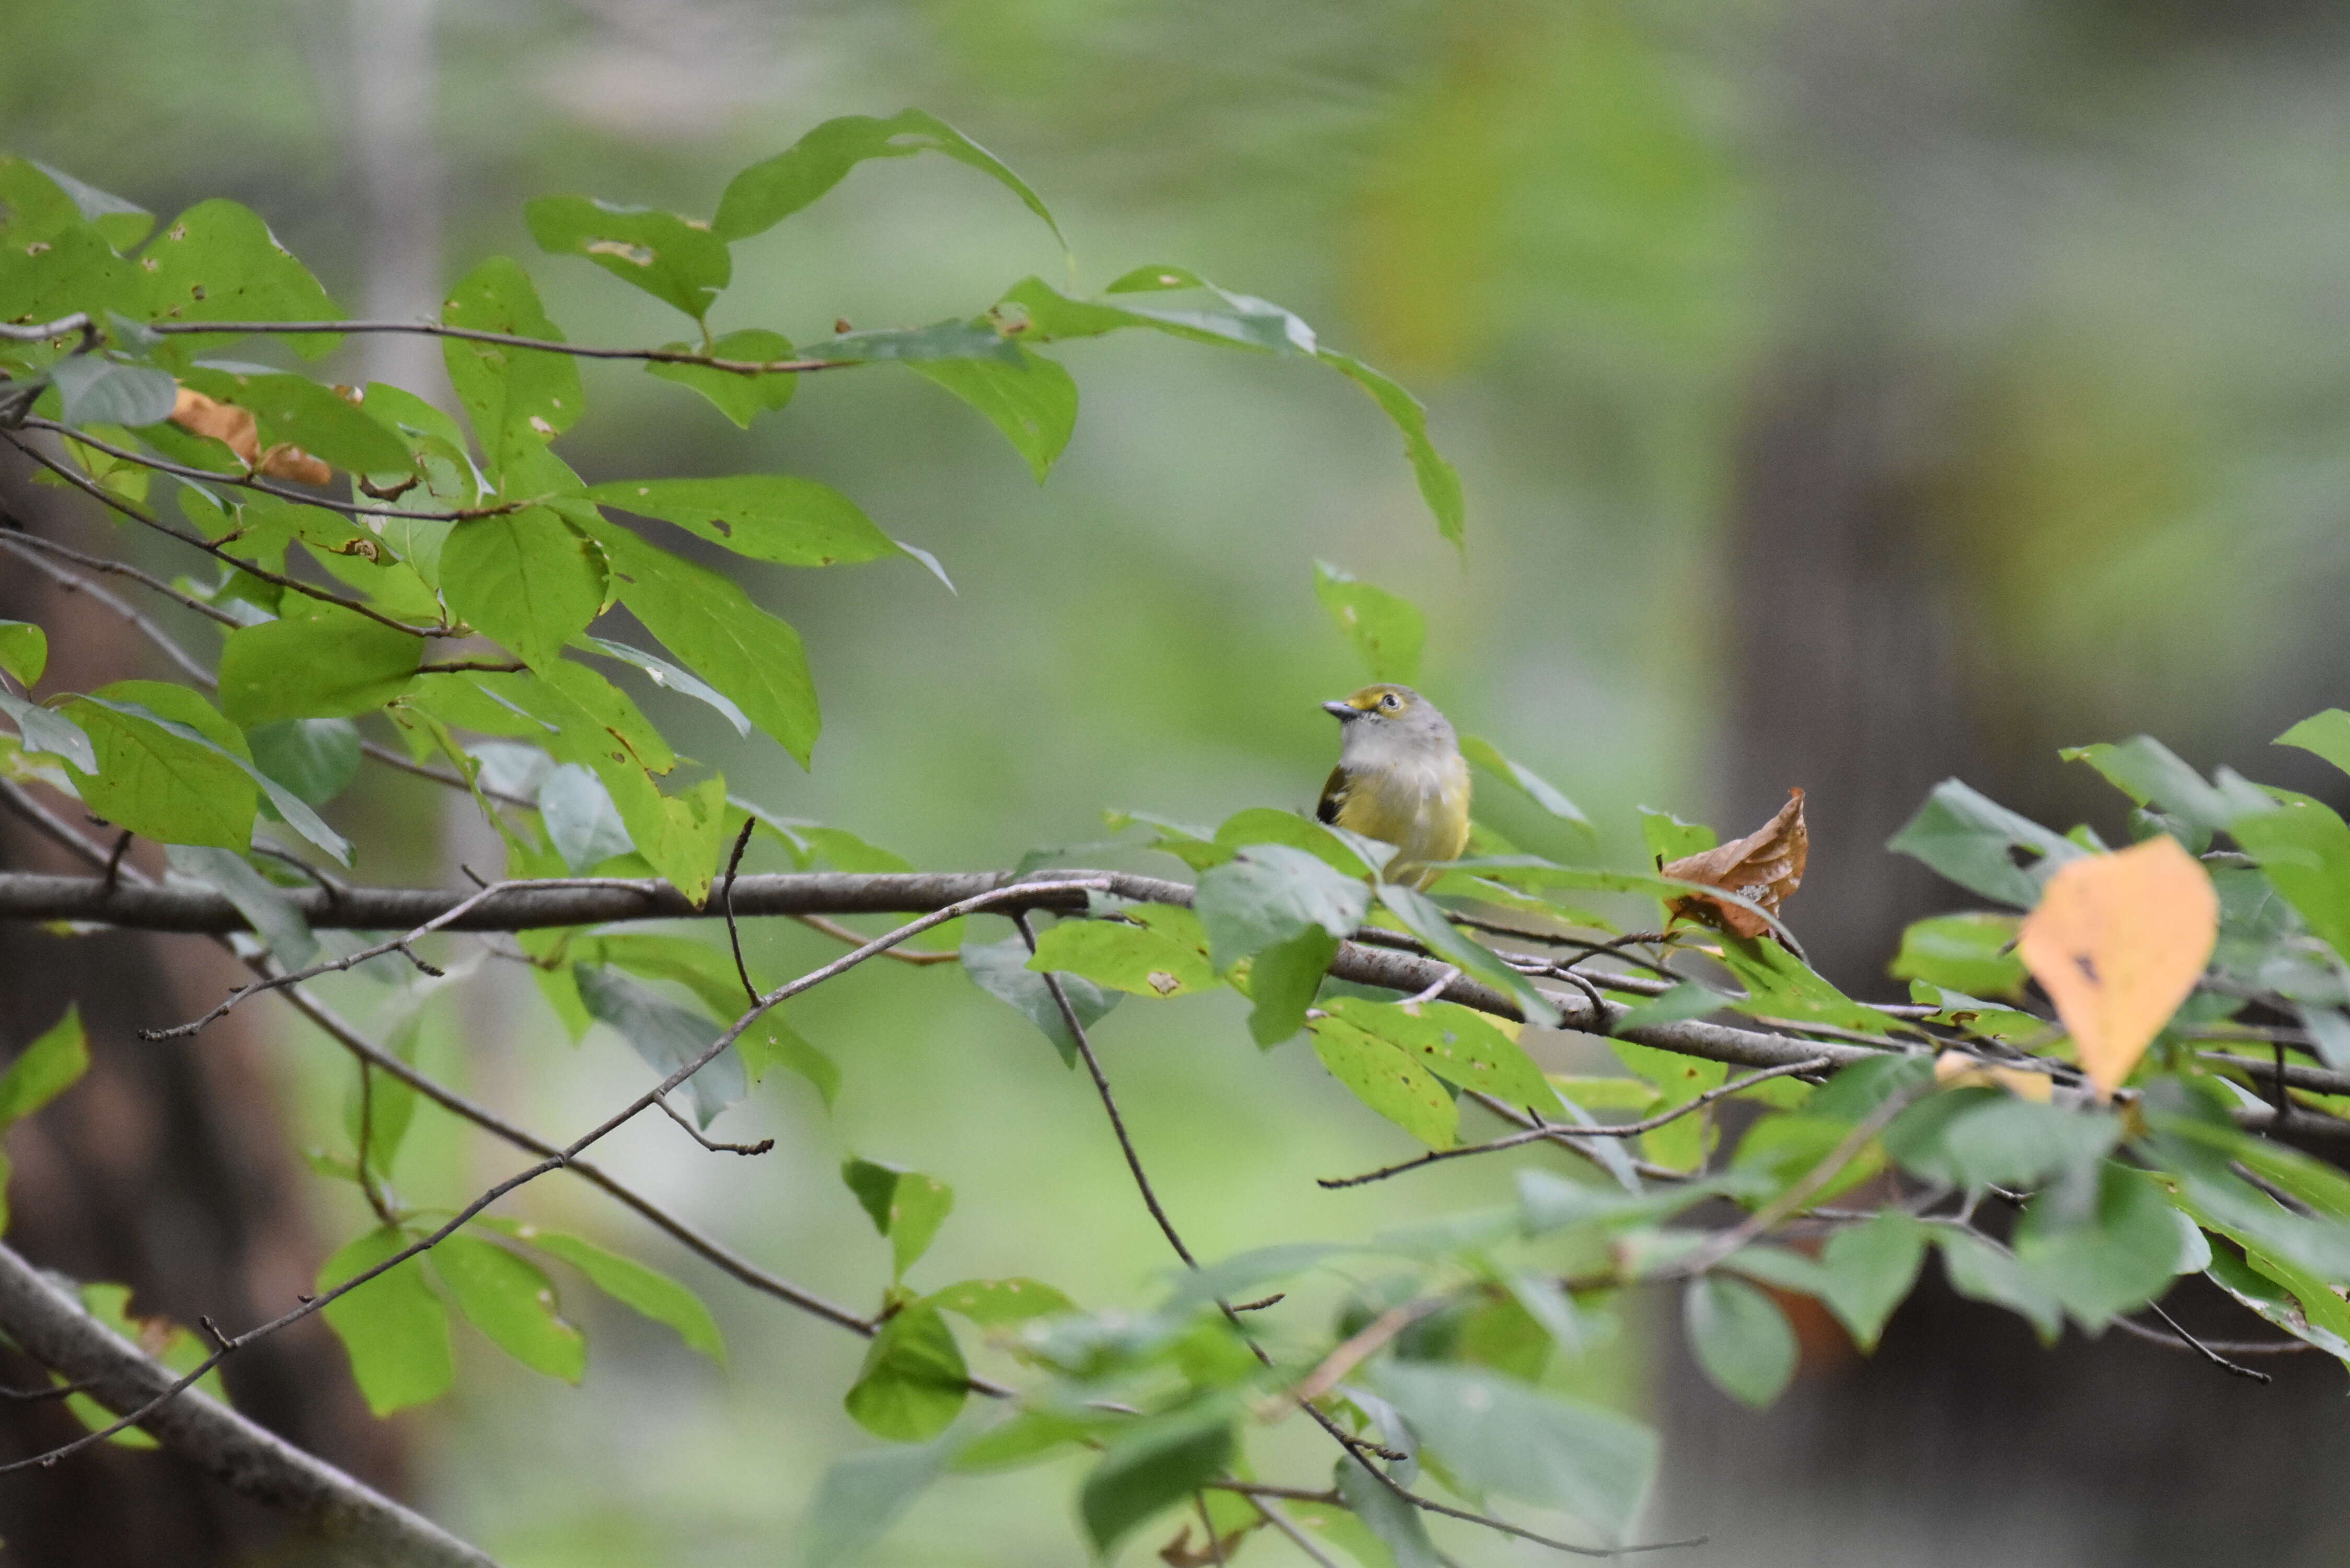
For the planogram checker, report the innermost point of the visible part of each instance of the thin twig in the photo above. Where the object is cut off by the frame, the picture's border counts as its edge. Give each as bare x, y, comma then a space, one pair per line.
147, 628
2207, 1352
1287, 1526
546, 345
838, 932
1546, 1131
253, 482
19, 538
42, 331
392, 759
195, 541
713, 1144
727, 901
2225, 1347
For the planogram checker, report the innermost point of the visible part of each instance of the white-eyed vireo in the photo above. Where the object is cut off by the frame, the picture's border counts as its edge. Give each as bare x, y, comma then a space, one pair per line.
1401, 778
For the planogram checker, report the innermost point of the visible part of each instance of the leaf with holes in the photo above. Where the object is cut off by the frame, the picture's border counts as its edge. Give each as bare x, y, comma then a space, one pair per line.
673, 259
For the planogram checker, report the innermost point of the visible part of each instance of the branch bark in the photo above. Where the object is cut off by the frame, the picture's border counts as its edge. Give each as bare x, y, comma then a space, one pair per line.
55, 1329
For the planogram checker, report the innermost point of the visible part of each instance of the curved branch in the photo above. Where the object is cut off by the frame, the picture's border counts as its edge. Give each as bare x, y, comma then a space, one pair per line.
60, 1333
544, 345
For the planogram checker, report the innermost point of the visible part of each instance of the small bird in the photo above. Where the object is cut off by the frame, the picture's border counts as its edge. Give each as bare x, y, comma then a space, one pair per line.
1400, 779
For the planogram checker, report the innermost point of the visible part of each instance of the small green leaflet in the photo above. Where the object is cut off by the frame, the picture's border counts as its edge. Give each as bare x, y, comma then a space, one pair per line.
526, 579
1388, 1079
1156, 1467
297, 814
1967, 837
218, 262
1000, 969
1670, 838
511, 1300
517, 398
1385, 631
776, 517
914, 1382
1145, 960
95, 389
1030, 399
768, 191
1269, 893
394, 1327
666, 1036
646, 1291
904, 1205
24, 651
51, 1064
1522, 778
736, 394
671, 258
1459, 1044
1741, 1339
861, 1497
2326, 734
44, 730
316, 661
989, 1303
315, 758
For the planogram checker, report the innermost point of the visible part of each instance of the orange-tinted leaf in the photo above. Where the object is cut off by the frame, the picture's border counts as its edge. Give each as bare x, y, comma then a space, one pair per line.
2117, 943
1765, 865
235, 429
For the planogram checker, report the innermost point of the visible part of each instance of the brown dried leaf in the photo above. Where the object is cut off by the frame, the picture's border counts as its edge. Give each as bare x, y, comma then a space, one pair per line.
235, 429
2117, 943
1181, 1554
1766, 865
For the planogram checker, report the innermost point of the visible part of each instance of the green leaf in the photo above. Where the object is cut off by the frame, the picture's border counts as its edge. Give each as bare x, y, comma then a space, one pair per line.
261, 902
1425, 920
709, 623
1440, 482
1670, 838
1034, 309
770, 191
1283, 982
1985, 1272
393, 1327
1459, 1044
1000, 969
511, 1300
1983, 1137
646, 1291
2120, 1255
94, 390
2325, 735
771, 1042
861, 1497
776, 517
665, 1036
904, 1205
160, 784
1395, 1522
1869, 1269
1499, 1435
1522, 778
42, 729
124, 223
2151, 775
1780, 985
1969, 838
1123, 957
679, 834
2296, 1302
206, 733
1032, 400
317, 759
316, 661
913, 1383
1741, 1337
581, 819
954, 338
218, 262
526, 579
1679, 1079
2304, 848
1270, 893
1386, 1079
24, 651
296, 411
675, 260
990, 1303
1970, 952
737, 395
518, 399
1385, 631
51, 1064
1263, 824
1150, 1469
670, 678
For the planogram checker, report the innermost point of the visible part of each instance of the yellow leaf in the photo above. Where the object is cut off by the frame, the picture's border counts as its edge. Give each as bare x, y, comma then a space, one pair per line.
2117, 943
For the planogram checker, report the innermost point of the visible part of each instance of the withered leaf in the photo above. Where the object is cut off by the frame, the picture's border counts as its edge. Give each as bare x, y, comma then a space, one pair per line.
1181, 1554
235, 429
1765, 866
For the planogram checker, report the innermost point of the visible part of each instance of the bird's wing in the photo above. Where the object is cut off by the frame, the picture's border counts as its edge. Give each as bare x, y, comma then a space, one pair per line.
1333, 796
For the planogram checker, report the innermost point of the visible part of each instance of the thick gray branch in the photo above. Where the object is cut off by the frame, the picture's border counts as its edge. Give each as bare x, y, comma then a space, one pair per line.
53, 1328
25, 896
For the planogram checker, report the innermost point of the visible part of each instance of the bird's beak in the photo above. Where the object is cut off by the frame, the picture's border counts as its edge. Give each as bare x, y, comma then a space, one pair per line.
1342, 711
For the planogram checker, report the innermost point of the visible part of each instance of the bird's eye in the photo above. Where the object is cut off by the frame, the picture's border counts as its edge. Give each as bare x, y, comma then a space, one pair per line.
1391, 702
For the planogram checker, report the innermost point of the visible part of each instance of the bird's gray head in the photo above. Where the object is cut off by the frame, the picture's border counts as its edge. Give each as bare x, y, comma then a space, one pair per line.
1390, 719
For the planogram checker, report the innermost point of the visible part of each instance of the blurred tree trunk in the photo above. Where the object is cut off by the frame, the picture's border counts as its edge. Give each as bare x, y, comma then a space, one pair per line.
166, 1169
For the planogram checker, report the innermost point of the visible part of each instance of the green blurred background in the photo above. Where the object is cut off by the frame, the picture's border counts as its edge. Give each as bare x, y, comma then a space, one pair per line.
1847, 395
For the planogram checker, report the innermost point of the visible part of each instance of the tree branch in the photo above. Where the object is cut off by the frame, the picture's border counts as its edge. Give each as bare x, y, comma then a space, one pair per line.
467, 334
57, 1331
